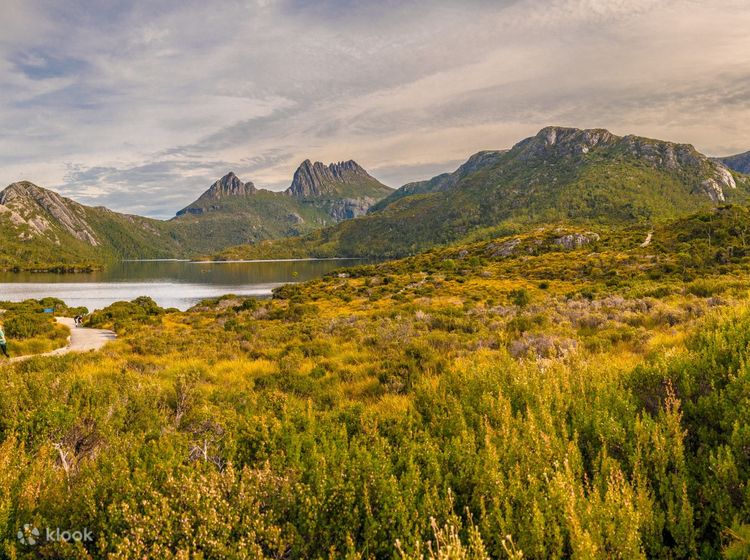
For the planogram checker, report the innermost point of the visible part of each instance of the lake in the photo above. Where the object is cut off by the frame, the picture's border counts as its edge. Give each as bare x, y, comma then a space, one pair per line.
179, 284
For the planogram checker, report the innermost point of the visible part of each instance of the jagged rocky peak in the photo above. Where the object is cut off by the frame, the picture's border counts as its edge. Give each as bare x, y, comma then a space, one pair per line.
347, 169
230, 185
317, 179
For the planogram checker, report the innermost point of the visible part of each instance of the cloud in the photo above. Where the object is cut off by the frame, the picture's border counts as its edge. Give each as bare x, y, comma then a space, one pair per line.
141, 105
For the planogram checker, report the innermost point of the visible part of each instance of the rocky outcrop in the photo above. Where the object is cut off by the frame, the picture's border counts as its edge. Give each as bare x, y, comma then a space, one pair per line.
41, 209
535, 245
576, 240
504, 249
555, 142
316, 179
348, 208
229, 186
560, 141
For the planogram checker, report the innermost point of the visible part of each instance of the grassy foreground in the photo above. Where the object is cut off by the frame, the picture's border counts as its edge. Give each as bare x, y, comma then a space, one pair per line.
551, 395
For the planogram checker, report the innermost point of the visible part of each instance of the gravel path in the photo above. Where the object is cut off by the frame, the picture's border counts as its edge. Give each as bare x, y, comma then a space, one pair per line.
81, 340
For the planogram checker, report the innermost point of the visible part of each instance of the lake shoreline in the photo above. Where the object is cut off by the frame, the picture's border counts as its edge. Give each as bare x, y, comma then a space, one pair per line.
171, 283
90, 268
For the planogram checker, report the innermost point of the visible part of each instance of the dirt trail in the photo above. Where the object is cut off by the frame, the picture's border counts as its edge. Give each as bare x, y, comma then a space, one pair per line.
81, 340
647, 242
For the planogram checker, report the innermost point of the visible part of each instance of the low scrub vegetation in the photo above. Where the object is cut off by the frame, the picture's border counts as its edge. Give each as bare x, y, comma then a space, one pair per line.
563, 403
29, 330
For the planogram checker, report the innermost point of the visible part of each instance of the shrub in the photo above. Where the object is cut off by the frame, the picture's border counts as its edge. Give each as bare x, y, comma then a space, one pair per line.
520, 297
27, 325
142, 310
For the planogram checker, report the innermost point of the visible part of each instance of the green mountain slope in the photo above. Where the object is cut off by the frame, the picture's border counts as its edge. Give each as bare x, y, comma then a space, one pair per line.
41, 229
443, 181
739, 162
560, 175
232, 212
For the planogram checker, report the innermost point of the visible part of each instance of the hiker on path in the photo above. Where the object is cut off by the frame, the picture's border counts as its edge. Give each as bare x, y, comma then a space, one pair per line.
3, 342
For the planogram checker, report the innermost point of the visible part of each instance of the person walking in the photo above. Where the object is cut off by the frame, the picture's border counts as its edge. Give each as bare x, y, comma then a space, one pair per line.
3, 342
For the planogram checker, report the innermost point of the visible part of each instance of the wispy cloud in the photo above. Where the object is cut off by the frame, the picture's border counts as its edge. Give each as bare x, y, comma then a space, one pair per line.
140, 105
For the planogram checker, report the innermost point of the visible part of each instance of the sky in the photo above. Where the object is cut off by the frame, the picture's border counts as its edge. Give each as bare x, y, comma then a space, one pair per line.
141, 105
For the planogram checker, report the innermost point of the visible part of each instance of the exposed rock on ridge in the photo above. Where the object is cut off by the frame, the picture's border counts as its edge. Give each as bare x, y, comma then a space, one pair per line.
317, 179
554, 141
37, 208
228, 186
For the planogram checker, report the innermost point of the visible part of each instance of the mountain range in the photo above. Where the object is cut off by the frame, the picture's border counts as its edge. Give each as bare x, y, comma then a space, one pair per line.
560, 175
42, 229
232, 212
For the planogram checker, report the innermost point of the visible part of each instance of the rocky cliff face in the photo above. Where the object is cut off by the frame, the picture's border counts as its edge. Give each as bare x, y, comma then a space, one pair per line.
229, 186
36, 211
348, 208
316, 179
561, 142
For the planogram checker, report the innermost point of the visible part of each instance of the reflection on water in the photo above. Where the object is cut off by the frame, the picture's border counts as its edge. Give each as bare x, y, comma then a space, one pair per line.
178, 284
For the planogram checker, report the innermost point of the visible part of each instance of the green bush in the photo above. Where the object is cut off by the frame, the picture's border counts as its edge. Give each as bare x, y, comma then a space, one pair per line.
141, 310
520, 297
27, 325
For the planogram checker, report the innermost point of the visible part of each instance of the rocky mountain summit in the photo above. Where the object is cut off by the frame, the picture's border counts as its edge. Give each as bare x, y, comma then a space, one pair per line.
342, 190
319, 195
552, 143
318, 180
231, 211
558, 176
561, 142
40, 212
228, 186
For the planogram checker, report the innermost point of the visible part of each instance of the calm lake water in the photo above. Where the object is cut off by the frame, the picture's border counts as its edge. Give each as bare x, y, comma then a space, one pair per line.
178, 284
